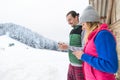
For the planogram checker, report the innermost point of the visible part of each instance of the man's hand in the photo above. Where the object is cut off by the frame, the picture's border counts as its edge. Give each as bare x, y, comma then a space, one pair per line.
62, 46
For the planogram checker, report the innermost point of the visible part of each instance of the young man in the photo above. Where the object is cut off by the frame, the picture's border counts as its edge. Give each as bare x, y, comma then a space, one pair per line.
75, 71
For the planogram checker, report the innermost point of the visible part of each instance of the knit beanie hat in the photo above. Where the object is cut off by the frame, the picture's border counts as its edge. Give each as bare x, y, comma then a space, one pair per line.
89, 15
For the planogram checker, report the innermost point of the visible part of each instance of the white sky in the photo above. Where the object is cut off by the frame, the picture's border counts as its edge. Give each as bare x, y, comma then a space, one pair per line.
47, 17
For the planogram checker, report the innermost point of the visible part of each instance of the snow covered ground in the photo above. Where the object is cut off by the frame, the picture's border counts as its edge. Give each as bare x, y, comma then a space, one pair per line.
20, 62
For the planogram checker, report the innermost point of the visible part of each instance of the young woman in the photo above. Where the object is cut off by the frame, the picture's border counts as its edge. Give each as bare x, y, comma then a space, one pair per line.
99, 56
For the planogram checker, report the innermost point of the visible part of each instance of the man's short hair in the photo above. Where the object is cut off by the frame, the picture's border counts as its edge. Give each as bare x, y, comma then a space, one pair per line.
73, 14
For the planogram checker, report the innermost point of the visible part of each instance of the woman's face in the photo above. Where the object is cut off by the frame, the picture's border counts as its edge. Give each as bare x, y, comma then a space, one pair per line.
85, 26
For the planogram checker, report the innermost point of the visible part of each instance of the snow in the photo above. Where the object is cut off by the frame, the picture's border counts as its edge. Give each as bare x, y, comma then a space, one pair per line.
21, 62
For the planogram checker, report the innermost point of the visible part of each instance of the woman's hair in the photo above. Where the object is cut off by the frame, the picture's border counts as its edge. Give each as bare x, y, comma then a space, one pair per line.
73, 13
91, 27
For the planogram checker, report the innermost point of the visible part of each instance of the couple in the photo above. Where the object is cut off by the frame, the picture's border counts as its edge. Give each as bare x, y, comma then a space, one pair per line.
97, 60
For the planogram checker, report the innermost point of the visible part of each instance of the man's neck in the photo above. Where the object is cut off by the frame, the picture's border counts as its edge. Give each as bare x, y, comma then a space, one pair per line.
76, 26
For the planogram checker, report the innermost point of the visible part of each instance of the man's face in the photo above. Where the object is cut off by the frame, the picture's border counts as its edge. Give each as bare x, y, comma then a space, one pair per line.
71, 20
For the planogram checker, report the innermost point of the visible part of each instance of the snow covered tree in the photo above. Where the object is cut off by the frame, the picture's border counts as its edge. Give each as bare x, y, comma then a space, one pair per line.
27, 36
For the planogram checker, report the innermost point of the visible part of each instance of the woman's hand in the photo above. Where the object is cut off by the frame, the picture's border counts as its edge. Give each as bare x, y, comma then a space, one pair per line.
78, 54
